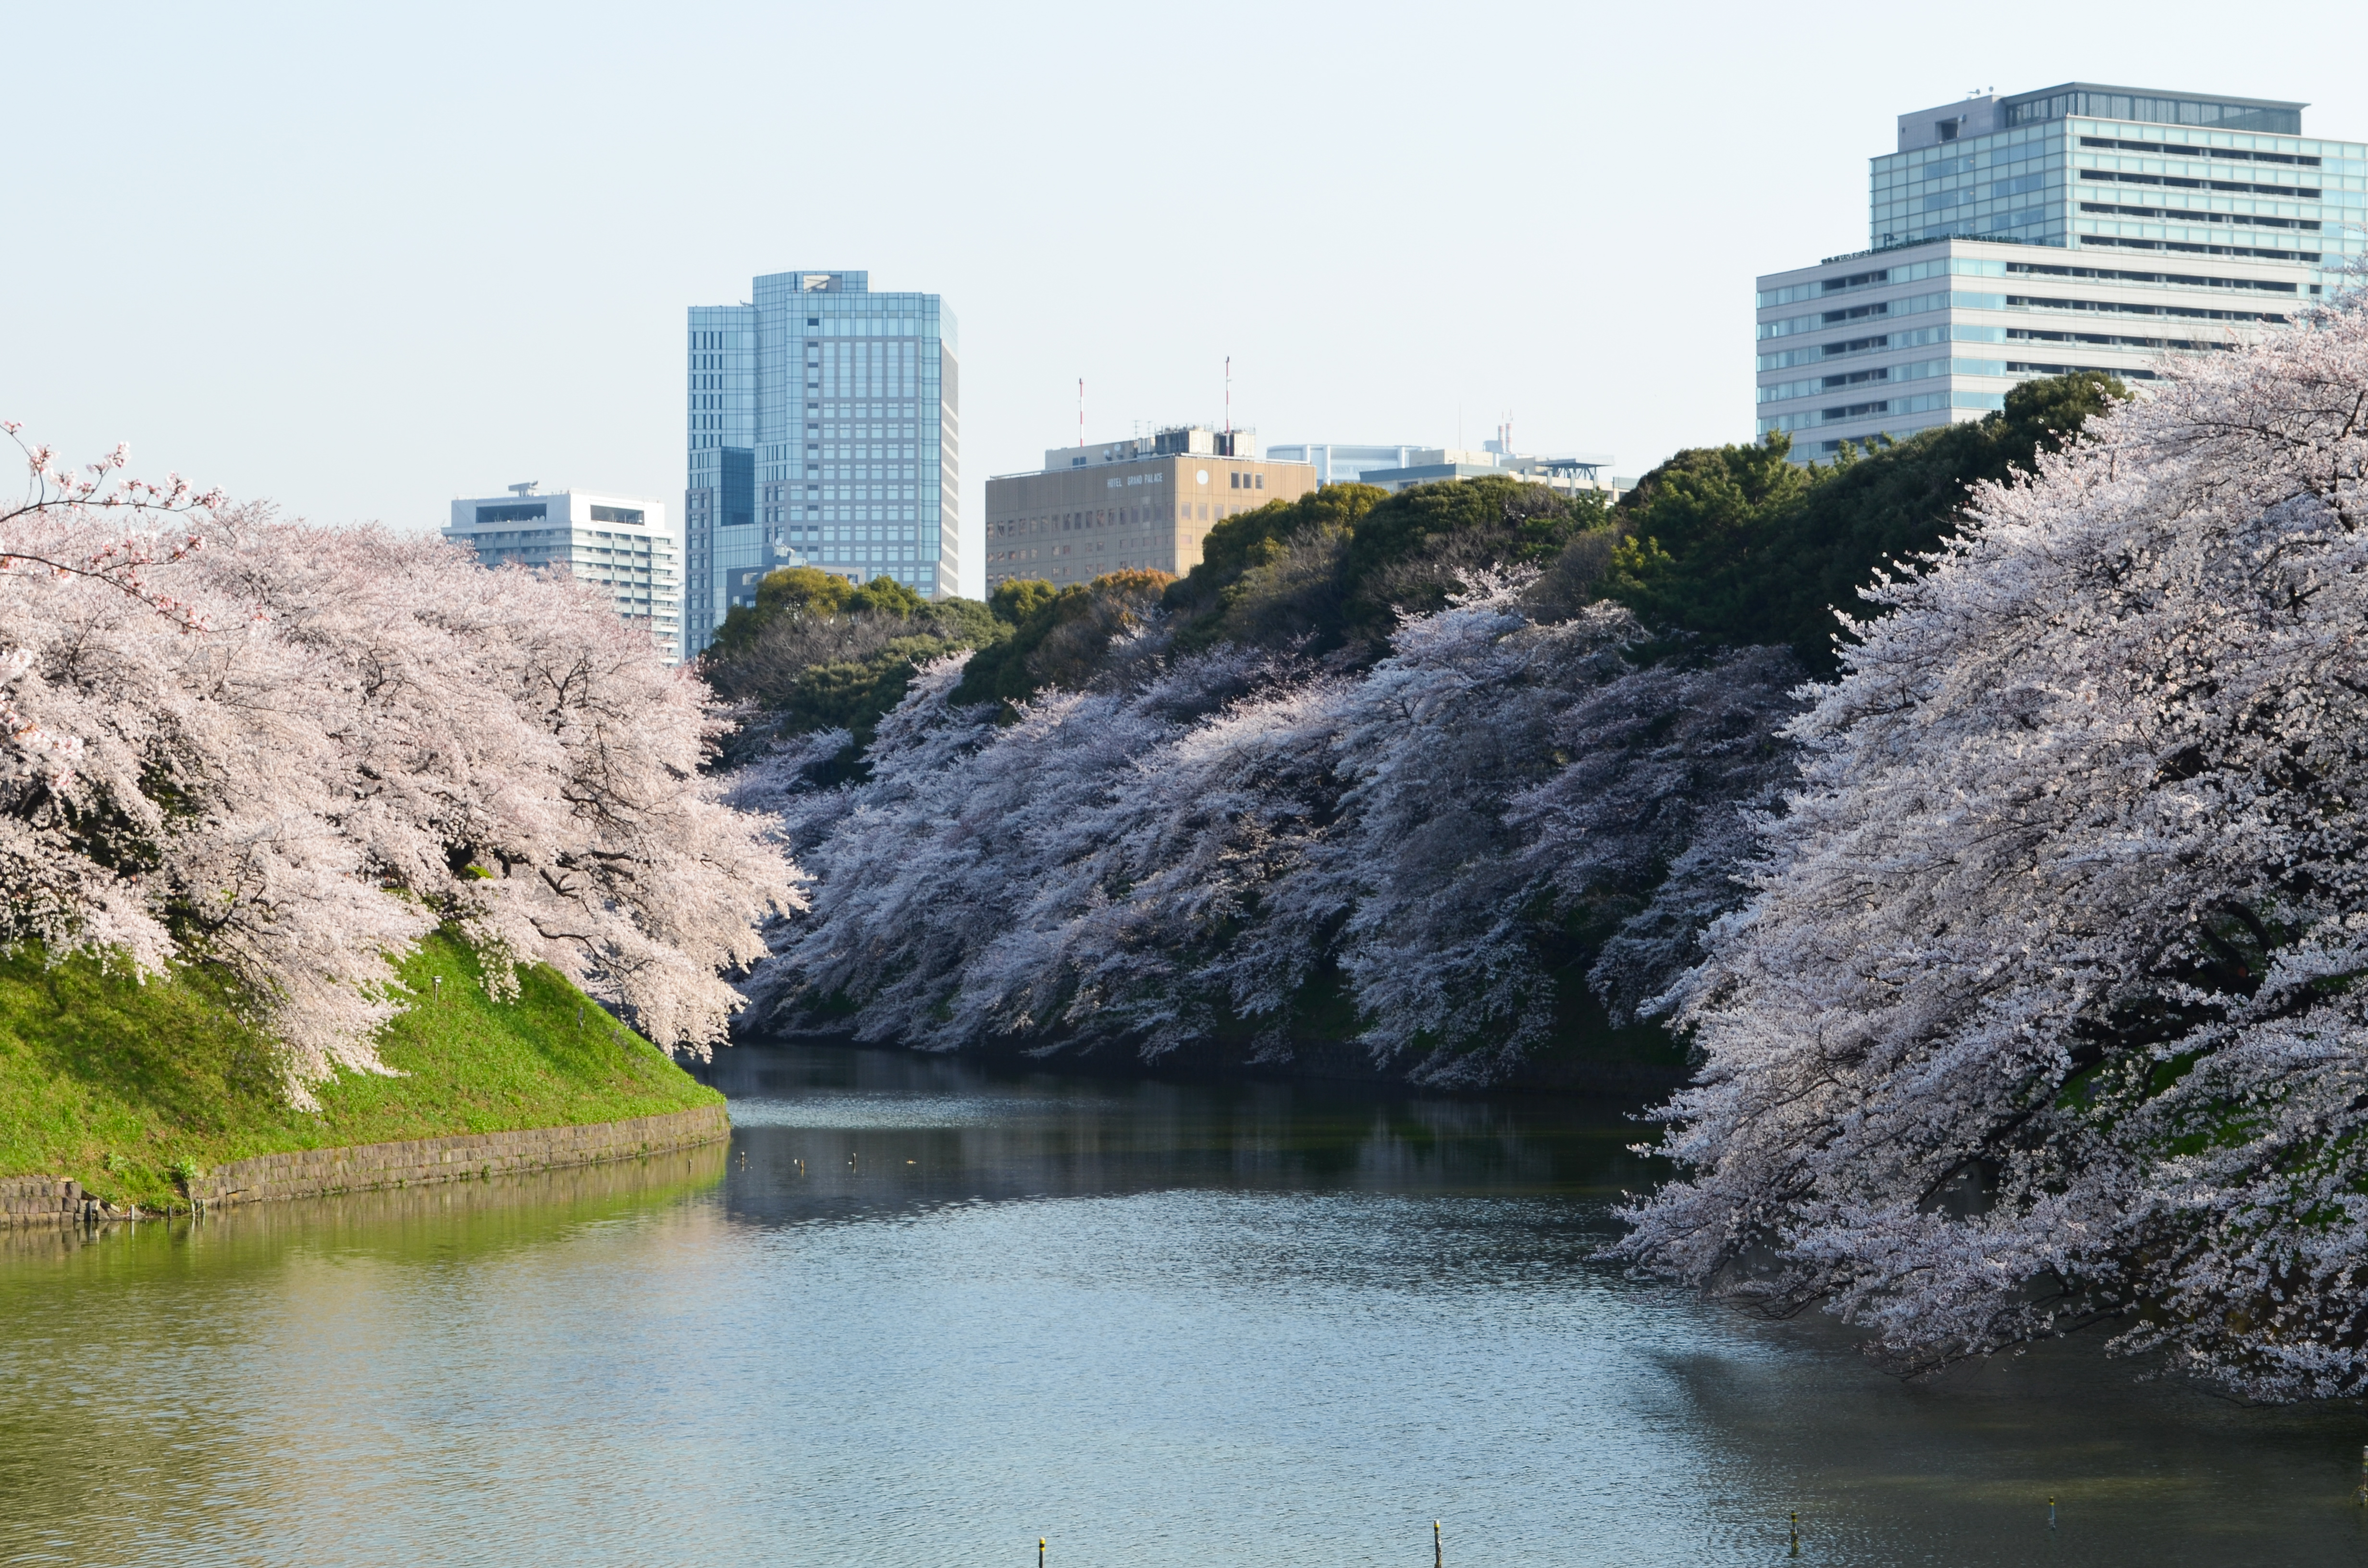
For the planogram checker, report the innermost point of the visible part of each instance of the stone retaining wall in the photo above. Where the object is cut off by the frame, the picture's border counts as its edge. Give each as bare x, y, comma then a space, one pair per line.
36, 1199
363, 1167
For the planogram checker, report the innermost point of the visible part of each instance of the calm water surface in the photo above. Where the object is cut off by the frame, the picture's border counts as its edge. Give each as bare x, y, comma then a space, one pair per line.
920, 1313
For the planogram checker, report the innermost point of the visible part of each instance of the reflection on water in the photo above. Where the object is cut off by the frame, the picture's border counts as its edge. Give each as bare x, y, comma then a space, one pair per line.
921, 1313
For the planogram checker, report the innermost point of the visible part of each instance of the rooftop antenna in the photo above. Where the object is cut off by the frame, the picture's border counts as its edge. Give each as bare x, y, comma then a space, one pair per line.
1229, 394
526, 489
1081, 411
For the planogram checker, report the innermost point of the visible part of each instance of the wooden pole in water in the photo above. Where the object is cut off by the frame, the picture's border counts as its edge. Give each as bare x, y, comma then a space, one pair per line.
1438, 1551
2363, 1474
1797, 1533
2051, 1511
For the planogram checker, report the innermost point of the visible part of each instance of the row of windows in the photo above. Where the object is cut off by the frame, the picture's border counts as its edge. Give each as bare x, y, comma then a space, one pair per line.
1912, 272
1844, 347
2200, 215
2005, 179
2197, 182
2195, 248
2110, 340
2132, 308
843, 533
1921, 403
563, 540
1918, 370
1969, 219
1962, 332
1110, 516
1912, 305
2158, 280
892, 327
2187, 150
1926, 369
1966, 300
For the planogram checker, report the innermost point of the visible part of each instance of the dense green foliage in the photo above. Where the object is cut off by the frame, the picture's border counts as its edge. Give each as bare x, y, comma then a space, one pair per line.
1326, 574
1736, 545
804, 590
1742, 546
116, 1083
1059, 637
816, 652
1333, 569
1732, 545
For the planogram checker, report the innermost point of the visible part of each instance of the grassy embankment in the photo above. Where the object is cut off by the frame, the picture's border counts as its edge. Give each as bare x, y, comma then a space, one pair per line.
117, 1083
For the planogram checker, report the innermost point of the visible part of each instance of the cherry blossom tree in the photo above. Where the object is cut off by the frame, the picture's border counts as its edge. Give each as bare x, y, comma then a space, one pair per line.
1174, 855
1518, 794
293, 751
2046, 1010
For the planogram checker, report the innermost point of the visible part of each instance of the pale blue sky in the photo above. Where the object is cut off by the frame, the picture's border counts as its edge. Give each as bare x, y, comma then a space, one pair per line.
362, 260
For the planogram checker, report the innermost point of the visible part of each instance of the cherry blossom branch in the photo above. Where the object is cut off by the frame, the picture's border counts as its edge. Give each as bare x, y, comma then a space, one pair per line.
54, 490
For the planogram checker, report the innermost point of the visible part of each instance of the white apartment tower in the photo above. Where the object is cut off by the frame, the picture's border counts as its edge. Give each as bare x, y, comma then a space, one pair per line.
2080, 227
620, 542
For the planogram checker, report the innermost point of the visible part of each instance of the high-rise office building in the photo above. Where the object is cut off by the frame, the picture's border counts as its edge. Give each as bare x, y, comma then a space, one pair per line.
824, 431
1143, 503
620, 542
2079, 227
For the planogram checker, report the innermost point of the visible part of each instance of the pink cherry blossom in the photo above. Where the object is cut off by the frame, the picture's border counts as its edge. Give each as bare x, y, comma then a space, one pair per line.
2047, 1008
392, 736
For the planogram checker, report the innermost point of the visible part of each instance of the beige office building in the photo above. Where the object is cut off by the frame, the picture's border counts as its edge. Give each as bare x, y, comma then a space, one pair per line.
1144, 504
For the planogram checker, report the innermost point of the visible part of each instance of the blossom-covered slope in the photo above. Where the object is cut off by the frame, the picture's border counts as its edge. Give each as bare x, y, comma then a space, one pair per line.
1400, 775
2047, 1008
1182, 854
292, 751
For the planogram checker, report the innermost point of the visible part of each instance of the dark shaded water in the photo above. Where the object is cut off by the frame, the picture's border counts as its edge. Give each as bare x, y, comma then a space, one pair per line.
920, 1313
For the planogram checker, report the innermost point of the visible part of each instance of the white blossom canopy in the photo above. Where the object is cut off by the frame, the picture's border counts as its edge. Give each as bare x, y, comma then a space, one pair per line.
1192, 850
294, 751
2046, 1008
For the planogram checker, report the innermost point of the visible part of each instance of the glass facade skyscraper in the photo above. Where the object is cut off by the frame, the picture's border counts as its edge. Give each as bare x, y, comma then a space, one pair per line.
2122, 168
824, 430
2077, 228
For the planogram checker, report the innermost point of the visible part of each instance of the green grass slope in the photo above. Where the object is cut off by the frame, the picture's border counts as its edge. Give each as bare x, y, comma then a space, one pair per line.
116, 1083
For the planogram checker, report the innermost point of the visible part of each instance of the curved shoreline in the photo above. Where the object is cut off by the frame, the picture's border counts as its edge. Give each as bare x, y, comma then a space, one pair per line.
365, 1167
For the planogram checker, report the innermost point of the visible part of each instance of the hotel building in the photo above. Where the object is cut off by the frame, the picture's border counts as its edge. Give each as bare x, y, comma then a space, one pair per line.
2077, 228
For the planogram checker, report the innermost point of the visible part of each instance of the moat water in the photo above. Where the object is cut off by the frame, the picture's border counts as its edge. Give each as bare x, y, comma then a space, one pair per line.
919, 1312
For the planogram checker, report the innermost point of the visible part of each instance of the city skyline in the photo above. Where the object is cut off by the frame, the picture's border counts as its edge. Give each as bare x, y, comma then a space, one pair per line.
1402, 232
